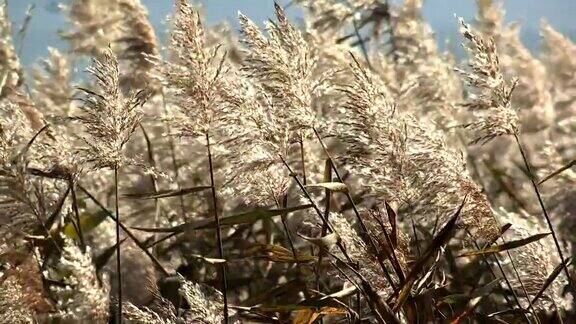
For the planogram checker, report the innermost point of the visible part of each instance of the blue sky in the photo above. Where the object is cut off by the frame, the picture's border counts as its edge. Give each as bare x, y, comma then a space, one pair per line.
47, 20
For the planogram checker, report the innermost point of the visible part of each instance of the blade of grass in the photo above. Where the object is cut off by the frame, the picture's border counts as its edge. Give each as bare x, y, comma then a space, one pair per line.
167, 193
557, 172
551, 279
506, 246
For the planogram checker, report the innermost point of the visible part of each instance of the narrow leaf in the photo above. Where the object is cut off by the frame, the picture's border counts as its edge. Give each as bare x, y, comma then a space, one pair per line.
551, 279
480, 292
327, 171
325, 300
506, 246
167, 193
244, 218
392, 219
557, 172
332, 186
208, 260
88, 222
101, 260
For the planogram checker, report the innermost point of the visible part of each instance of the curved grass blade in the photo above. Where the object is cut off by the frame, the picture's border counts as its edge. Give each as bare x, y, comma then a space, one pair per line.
506, 246
332, 186
557, 172
243, 218
479, 292
88, 222
551, 279
277, 253
167, 193
102, 259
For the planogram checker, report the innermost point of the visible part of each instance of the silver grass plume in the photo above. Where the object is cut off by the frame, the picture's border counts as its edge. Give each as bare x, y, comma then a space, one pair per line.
418, 64
53, 90
110, 118
532, 95
254, 171
336, 15
23, 297
403, 161
490, 18
194, 76
271, 101
206, 304
358, 251
559, 57
124, 26
133, 314
10, 69
19, 210
284, 65
489, 96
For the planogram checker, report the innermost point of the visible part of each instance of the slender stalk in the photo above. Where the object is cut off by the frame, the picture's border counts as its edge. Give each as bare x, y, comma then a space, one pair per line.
118, 264
218, 231
302, 159
153, 181
544, 211
175, 166
76, 213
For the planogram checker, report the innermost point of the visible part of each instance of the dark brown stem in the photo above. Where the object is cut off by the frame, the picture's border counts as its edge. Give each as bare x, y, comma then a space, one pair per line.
544, 211
218, 231
118, 264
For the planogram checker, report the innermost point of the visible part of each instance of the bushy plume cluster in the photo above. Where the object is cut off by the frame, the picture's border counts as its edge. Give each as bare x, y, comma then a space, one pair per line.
53, 90
490, 93
418, 64
124, 26
532, 99
558, 57
195, 75
397, 153
333, 15
110, 117
327, 157
19, 204
284, 66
